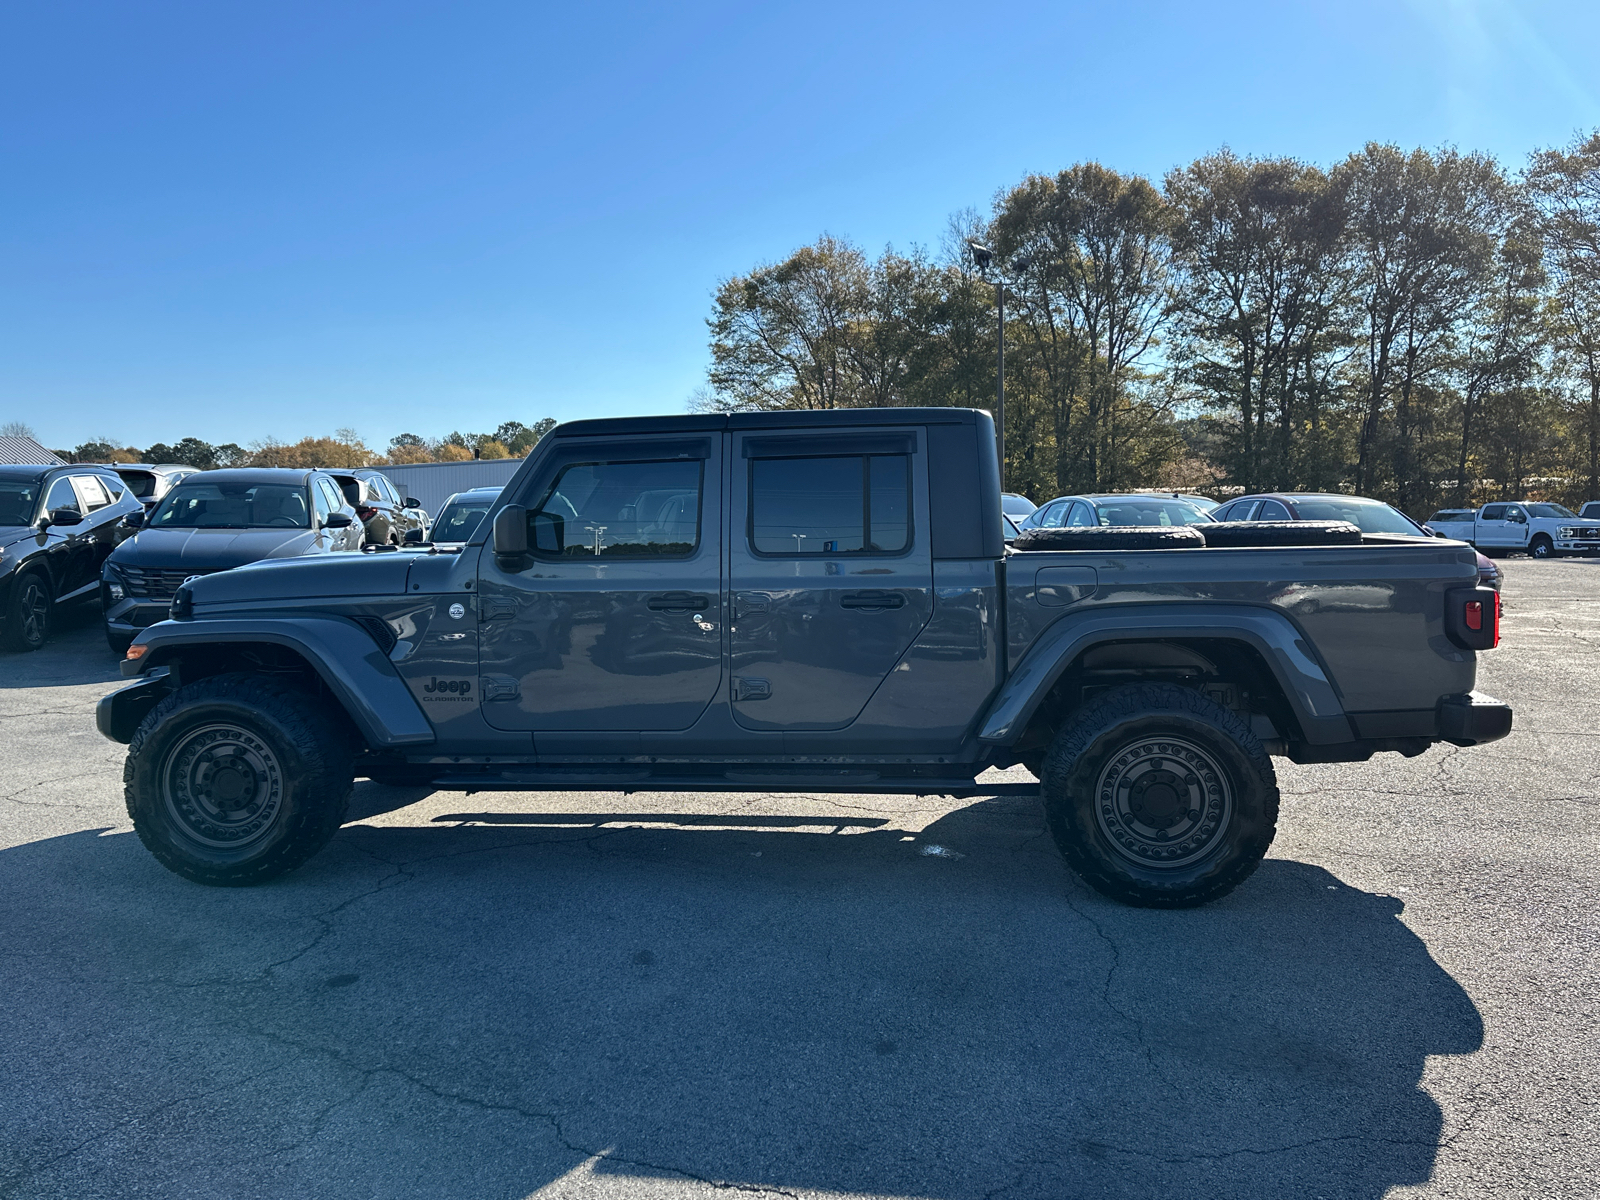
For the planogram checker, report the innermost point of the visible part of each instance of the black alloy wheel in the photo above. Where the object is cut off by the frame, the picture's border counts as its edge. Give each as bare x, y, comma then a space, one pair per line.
1159, 797
28, 622
235, 779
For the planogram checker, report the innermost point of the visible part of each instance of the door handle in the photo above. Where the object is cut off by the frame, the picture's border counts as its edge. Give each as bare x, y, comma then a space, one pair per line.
872, 600
677, 602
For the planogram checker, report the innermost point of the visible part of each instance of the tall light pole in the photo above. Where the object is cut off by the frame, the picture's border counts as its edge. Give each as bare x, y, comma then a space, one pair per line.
983, 258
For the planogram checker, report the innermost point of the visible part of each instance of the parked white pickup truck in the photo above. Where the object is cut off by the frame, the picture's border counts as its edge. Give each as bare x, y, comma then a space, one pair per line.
1539, 530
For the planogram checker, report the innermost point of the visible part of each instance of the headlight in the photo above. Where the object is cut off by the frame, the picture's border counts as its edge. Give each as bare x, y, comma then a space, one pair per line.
1566, 531
114, 590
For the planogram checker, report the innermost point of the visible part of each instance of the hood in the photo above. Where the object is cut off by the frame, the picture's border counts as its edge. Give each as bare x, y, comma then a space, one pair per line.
10, 535
309, 577
210, 549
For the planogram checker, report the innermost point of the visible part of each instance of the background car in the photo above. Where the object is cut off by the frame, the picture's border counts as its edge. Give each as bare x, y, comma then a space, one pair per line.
57, 526
460, 517
385, 517
1015, 505
214, 520
151, 481
1370, 516
1138, 508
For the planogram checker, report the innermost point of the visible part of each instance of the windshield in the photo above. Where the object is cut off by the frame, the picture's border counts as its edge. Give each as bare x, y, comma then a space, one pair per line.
1370, 516
459, 520
17, 501
233, 506
1149, 510
1550, 510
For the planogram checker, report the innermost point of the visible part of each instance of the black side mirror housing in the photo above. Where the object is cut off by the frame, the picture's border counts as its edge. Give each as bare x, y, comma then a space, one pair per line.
338, 520
134, 519
511, 532
415, 537
413, 502
62, 516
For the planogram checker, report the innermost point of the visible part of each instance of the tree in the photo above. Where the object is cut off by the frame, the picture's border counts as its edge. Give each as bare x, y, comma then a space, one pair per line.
1097, 246
17, 429
1260, 302
1423, 231
1565, 187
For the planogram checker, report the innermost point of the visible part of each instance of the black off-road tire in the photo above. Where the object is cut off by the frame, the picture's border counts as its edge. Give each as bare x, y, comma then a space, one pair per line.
236, 779
1169, 755
1234, 534
27, 617
1111, 537
1541, 547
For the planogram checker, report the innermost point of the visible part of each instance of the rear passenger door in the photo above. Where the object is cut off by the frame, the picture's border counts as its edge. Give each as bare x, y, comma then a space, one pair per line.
1492, 529
830, 572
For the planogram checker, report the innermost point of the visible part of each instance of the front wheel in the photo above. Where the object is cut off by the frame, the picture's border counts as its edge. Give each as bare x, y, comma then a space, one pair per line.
1541, 547
27, 624
235, 779
1159, 797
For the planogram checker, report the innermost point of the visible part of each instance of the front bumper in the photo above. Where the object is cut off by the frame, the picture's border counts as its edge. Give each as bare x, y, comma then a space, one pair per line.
1472, 719
132, 613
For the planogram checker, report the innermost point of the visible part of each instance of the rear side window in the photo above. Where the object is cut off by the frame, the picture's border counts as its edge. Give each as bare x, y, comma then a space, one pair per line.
620, 510
92, 492
1271, 510
830, 506
1494, 512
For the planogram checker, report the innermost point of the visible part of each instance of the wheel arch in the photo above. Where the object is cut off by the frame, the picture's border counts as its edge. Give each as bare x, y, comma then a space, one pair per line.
332, 655
1258, 650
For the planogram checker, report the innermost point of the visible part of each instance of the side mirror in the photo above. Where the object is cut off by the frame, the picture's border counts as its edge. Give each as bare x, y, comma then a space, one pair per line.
62, 516
413, 502
338, 520
511, 532
415, 537
134, 519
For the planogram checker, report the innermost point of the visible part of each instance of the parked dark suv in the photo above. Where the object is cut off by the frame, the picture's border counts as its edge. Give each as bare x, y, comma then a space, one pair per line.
384, 514
57, 526
151, 482
214, 520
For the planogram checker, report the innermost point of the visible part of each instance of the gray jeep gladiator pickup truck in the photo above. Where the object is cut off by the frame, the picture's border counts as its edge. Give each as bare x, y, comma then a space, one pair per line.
802, 601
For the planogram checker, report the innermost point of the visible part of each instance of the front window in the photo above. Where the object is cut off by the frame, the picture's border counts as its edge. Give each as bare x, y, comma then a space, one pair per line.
619, 510
1370, 516
853, 505
17, 501
460, 520
233, 505
1149, 510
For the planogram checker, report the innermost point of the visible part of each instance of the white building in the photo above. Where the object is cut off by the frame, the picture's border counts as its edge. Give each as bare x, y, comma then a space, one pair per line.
434, 483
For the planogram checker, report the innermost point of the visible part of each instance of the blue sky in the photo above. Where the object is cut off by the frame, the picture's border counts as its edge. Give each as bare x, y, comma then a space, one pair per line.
238, 221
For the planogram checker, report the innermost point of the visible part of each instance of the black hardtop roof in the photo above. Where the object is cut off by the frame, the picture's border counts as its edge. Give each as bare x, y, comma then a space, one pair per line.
254, 475
40, 470
787, 419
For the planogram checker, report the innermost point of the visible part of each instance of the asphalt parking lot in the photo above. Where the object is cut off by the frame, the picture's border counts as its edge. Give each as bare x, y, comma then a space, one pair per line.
513, 995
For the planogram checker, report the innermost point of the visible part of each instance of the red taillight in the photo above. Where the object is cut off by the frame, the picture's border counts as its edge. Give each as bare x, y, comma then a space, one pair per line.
1496, 620
1474, 615
366, 514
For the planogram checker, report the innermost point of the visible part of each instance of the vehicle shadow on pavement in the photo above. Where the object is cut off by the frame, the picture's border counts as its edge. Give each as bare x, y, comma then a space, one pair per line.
587, 1003
76, 653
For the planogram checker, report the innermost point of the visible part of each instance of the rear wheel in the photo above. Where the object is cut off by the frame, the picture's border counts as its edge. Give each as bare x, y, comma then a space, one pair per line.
1159, 797
1541, 547
28, 616
235, 779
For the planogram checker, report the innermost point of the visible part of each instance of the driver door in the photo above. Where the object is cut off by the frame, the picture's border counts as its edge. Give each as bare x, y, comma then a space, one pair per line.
613, 621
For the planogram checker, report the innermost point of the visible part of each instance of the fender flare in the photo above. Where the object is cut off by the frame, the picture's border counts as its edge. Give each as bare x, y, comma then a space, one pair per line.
343, 654
1281, 645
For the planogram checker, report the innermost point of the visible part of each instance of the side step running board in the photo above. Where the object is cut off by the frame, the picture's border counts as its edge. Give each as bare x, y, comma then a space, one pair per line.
848, 783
